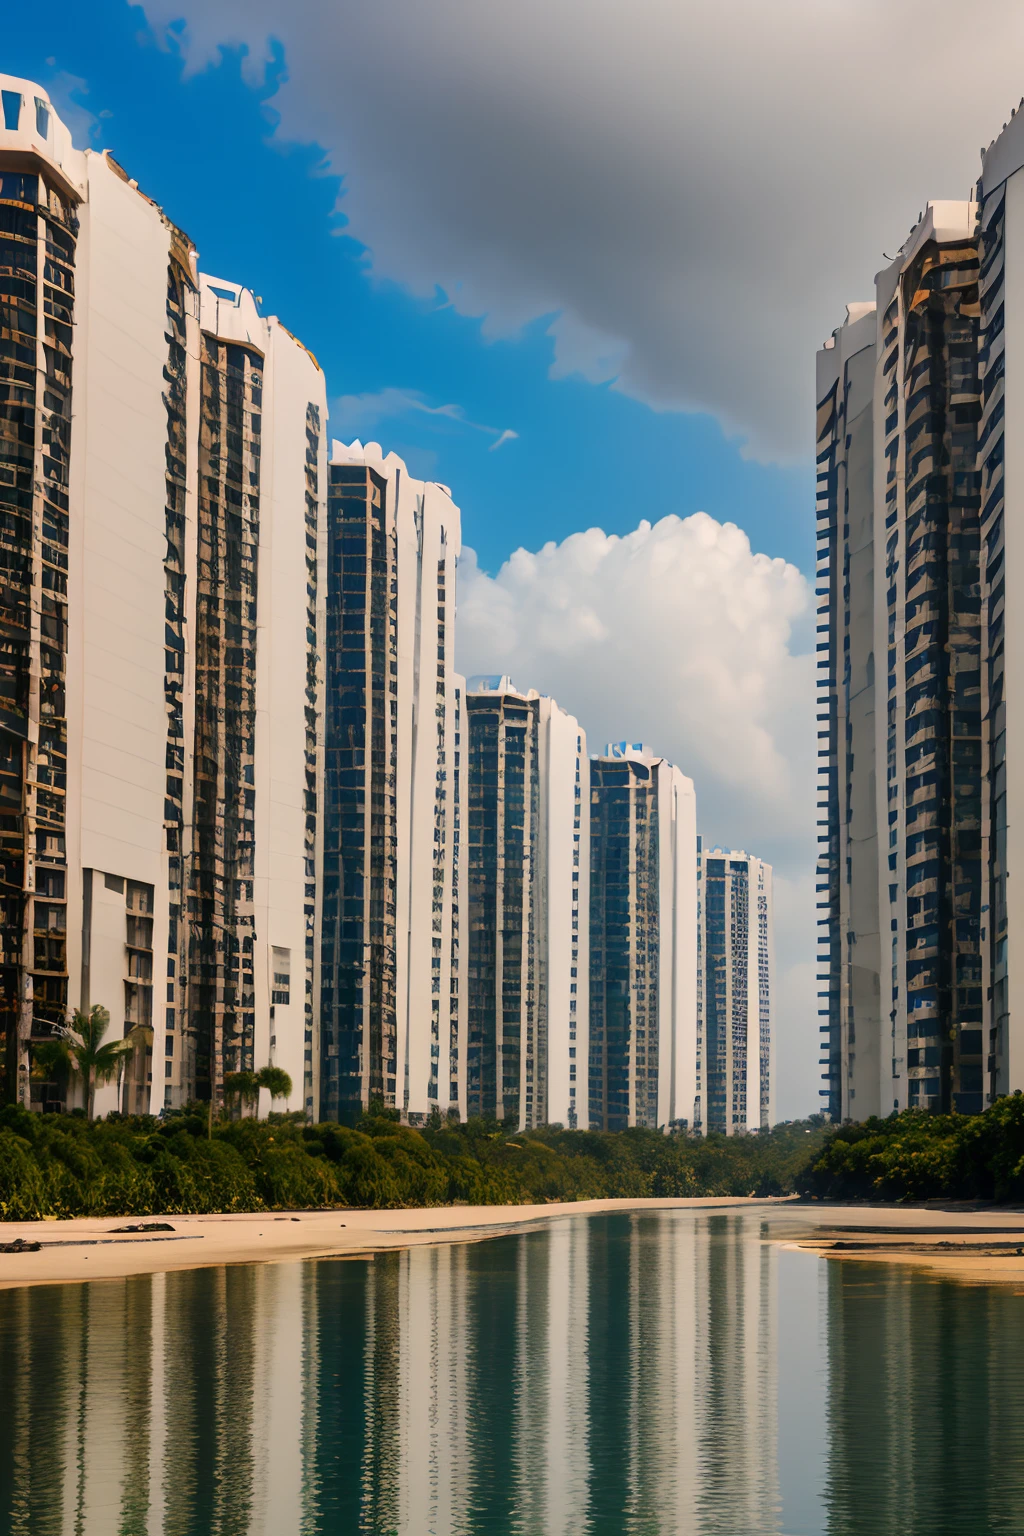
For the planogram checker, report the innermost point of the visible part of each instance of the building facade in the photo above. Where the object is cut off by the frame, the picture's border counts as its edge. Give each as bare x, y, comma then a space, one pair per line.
735, 1089
643, 942
931, 898
1001, 473
161, 438
903, 870
247, 953
849, 964
524, 873
391, 956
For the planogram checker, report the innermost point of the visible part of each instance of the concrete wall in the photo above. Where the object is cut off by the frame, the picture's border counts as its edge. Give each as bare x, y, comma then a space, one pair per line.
117, 726
862, 1080
677, 1079
564, 890
1013, 619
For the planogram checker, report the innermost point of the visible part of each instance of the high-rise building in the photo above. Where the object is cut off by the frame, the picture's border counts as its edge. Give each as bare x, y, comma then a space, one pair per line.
390, 959
525, 856
929, 622
900, 759
250, 946
1001, 491
162, 479
643, 941
849, 962
735, 960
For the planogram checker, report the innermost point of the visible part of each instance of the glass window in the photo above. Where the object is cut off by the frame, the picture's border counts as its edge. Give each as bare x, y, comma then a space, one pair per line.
12, 110
42, 119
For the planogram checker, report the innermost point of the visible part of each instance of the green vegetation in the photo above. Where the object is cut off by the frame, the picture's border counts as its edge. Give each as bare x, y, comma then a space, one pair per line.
61, 1165
922, 1156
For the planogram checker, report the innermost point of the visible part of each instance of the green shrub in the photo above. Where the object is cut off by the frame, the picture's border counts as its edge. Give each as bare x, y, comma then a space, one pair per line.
916, 1155
22, 1189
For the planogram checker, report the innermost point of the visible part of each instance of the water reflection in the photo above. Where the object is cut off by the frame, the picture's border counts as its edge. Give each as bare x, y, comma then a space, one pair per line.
926, 1411
608, 1375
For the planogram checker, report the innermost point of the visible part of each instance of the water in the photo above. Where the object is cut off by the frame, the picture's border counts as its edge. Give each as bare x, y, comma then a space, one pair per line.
672, 1374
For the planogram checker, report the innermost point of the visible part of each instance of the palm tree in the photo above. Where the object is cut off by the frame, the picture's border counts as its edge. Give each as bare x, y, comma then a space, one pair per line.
276, 1081
246, 1086
78, 1050
242, 1086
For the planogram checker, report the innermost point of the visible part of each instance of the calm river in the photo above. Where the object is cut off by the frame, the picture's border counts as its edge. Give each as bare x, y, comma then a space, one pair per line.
652, 1375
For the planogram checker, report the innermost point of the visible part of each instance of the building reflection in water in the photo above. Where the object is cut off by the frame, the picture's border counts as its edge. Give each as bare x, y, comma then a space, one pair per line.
926, 1404
606, 1375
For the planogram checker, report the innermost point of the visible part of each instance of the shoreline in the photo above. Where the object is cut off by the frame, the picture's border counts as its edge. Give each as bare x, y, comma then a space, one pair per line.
88, 1248
972, 1245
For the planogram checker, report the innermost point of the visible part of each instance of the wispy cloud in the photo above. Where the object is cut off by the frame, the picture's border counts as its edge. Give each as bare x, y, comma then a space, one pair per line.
68, 93
355, 415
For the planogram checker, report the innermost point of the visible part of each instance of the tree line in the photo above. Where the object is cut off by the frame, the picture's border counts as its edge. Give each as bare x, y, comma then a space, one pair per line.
184, 1162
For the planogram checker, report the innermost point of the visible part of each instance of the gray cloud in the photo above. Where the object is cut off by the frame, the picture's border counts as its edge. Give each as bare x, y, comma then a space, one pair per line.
690, 190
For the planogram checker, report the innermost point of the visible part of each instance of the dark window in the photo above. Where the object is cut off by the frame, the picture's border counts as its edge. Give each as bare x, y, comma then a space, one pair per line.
12, 110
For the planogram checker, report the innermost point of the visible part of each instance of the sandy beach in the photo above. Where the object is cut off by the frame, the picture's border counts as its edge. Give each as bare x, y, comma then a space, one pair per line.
91, 1248
967, 1244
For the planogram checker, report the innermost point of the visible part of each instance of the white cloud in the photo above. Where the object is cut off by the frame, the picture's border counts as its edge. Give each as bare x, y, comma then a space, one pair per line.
693, 188
355, 415
679, 635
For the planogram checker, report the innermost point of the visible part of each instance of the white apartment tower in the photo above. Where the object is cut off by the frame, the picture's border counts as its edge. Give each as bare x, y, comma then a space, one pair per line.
643, 942
162, 476
392, 946
525, 863
736, 944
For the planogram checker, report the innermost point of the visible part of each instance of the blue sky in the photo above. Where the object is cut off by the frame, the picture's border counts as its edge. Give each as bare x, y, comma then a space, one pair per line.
584, 455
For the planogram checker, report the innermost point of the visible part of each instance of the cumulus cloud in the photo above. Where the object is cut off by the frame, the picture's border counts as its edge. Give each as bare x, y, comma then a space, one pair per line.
677, 634
681, 636
691, 189
355, 415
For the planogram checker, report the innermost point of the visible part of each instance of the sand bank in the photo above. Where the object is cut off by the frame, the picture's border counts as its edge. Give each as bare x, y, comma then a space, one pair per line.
962, 1243
90, 1249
